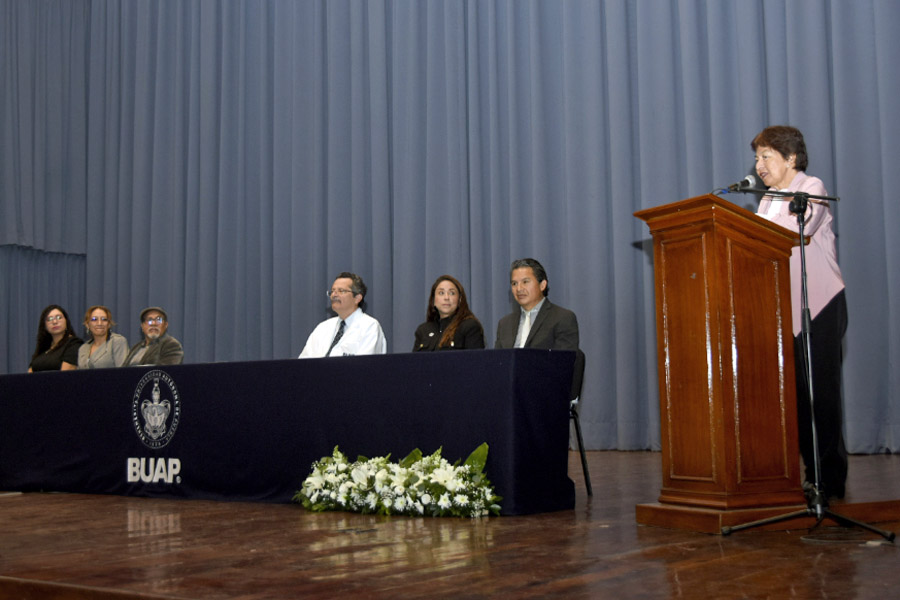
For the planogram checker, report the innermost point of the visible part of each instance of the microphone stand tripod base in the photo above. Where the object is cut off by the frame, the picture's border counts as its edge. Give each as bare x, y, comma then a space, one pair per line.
817, 508
817, 504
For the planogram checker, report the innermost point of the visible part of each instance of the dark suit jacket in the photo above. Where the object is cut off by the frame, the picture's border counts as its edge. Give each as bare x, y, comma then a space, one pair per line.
555, 328
469, 335
164, 350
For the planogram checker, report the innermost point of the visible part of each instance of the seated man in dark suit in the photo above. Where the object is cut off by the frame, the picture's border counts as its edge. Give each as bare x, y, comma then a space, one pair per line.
537, 323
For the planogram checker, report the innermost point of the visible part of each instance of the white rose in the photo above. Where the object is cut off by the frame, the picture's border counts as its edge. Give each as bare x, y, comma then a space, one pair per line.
359, 475
380, 476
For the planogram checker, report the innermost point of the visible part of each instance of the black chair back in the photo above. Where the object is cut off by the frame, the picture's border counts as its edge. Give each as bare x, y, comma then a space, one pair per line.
577, 375
575, 394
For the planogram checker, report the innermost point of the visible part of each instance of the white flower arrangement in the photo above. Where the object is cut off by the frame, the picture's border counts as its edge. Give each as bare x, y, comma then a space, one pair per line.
418, 485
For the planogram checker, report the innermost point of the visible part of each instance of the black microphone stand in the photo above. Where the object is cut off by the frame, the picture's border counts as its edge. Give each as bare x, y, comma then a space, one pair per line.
817, 503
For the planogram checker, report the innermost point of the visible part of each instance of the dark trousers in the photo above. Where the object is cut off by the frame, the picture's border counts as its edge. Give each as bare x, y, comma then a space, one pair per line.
826, 334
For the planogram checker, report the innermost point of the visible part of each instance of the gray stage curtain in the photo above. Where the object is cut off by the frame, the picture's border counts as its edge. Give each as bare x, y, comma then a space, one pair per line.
226, 159
33, 279
43, 169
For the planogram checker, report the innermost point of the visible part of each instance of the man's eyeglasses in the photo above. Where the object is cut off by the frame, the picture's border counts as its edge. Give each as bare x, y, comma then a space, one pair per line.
340, 291
154, 321
54, 318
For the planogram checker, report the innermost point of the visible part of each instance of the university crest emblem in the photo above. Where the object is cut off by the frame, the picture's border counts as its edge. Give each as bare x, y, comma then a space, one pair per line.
156, 409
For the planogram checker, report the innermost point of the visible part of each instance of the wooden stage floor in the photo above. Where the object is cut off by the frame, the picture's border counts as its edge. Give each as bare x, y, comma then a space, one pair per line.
62, 546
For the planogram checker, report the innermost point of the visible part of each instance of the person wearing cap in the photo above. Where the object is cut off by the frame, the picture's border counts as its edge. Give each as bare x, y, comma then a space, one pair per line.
157, 347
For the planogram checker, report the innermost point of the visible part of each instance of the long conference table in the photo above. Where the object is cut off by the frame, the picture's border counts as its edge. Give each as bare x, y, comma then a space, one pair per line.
249, 431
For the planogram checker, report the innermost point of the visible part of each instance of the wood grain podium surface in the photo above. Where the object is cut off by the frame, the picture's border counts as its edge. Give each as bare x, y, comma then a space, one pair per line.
728, 417
74, 547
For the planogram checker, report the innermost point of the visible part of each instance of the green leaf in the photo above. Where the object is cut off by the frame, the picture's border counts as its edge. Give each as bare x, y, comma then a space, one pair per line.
478, 458
411, 458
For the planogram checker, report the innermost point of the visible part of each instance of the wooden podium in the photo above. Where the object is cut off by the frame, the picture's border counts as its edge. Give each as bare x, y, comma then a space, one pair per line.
728, 409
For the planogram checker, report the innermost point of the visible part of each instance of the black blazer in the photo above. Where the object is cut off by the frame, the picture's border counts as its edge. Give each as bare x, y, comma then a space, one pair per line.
555, 328
469, 335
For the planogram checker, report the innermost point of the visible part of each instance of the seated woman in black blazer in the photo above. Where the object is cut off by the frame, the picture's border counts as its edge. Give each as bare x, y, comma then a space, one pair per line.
449, 324
57, 345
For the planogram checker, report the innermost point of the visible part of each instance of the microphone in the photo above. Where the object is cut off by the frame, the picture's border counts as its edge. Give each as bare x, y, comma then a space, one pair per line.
746, 183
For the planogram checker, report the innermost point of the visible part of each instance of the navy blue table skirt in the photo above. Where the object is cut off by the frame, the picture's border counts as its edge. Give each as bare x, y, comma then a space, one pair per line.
250, 431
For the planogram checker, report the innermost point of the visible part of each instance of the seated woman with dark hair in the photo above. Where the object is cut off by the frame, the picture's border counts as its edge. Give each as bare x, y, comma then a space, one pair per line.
57, 345
449, 323
104, 349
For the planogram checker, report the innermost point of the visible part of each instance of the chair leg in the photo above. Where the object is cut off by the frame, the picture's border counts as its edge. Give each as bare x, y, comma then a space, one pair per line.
584, 466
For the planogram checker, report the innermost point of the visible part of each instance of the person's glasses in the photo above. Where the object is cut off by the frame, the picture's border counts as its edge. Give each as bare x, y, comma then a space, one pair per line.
99, 320
340, 291
154, 321
54, 318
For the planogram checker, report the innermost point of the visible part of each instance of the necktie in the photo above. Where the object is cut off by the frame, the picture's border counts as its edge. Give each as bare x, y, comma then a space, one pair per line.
337, 337
524, 330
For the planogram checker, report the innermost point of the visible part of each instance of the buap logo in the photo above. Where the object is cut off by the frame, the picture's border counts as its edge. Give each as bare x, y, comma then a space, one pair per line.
156, 409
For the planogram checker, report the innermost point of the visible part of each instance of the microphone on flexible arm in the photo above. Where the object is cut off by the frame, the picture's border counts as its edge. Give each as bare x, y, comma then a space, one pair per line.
747, 185
748, 182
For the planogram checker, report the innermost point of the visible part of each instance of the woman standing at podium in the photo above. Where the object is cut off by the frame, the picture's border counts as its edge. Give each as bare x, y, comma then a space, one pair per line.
57, 345
781, 162
449, 324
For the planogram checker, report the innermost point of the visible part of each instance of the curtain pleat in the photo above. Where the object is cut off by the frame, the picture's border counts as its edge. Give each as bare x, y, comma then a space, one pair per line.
33, 279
